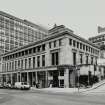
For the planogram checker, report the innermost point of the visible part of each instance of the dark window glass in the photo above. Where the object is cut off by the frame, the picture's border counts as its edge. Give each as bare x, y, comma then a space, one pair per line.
33, 62
43, 60
70, 41
74, 58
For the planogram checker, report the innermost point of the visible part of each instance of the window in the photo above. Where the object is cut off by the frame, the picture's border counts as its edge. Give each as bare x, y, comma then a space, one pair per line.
33, 62
86, 59
22, 63
25, 63
80, 45
38, 61
83, 47
38, 48
55, 58
74, 58
60, 42
49, 44
61, 72
43, 60
29, 62
55, 43
74, 42
15, 65
77, 44
12, 66
92, 60
18, 63
43, 47
81, 60
70, 41
34, 50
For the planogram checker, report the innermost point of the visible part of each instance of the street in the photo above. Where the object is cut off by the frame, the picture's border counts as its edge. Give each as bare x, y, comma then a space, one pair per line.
36, 97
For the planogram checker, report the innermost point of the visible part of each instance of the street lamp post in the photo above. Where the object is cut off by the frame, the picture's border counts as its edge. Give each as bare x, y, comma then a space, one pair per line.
78, 72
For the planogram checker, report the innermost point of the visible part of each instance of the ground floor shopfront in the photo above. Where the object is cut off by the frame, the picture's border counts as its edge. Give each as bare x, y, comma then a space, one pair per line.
60, 76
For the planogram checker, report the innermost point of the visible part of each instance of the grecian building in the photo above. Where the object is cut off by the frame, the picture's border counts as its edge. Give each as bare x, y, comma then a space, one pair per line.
59, 59
15, 32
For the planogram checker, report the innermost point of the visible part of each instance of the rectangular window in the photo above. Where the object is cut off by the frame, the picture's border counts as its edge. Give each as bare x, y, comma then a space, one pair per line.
80, 45
18, 63
15, 65
22, 63
81, 60
55, 58
25, 63
74, 42
38, 61
92, 60
43, 60
74, 58
12, 66
77, 44
43, 47
70, 41
55, 43
33, 62
29, 62
49, 44
60, 42
86, 59
83, 47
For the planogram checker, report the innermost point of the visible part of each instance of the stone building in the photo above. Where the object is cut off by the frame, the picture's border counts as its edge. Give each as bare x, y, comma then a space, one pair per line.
57, 59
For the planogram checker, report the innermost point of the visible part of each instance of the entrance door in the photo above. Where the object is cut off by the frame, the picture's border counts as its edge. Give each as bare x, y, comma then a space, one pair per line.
55, 79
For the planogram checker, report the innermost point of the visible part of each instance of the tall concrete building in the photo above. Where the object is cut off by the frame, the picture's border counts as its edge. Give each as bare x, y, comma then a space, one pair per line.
15, 32
99, 40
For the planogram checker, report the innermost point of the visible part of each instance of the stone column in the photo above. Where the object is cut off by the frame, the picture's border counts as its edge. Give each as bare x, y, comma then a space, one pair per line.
46, 78
17, 77
20, 77
27, 77
36, 77
66, 78
11, 79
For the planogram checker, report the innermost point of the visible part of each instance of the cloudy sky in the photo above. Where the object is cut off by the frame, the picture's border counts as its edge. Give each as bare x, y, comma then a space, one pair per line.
82, 16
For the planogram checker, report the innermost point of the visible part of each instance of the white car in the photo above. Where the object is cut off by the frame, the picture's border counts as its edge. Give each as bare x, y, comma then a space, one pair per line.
22, 85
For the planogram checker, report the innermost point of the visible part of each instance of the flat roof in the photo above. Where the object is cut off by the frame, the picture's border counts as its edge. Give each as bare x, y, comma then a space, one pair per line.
23, 21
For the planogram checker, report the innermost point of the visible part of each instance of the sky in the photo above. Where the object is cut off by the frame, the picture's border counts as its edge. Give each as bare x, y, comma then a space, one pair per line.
82, 16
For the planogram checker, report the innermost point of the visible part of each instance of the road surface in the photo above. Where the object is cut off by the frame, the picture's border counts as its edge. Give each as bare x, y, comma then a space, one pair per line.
35, 97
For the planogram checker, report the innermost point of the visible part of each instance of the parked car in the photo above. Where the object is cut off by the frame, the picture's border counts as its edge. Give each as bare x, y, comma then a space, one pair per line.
1, 85
22, 85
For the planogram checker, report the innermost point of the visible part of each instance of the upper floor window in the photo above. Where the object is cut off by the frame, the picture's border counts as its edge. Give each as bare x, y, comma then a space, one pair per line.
43, 60
43, 47
38, 61
87, 59
29, 62
60, 42
74, 43
83, 47
49, 44
55, 58
70, 41
92, 60
33, 62
55, 43
81, 58
80, 45
77, 44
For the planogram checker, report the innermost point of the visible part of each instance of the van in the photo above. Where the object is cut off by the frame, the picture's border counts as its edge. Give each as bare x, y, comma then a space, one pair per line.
22, 85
